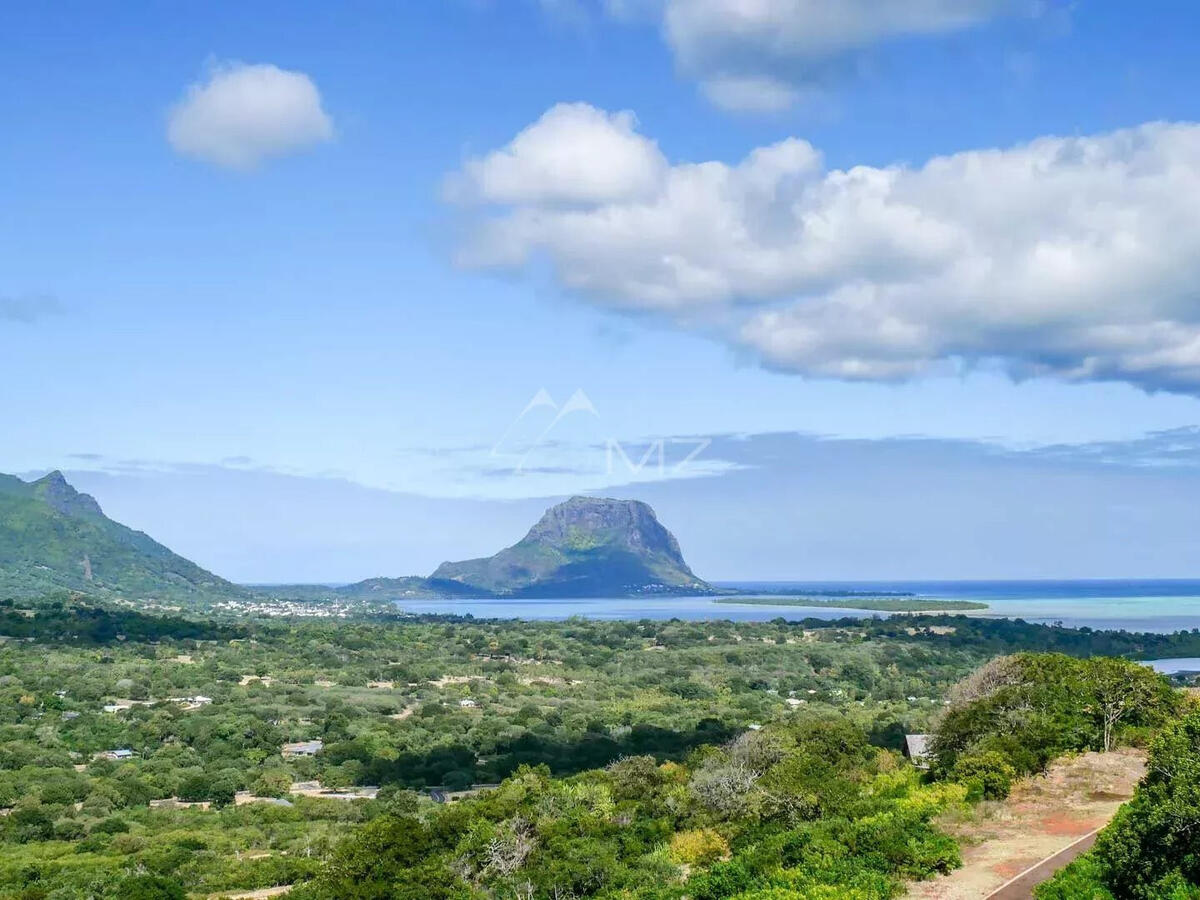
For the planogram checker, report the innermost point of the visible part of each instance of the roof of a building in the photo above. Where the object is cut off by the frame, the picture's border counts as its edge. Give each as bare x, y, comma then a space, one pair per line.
916, 746
304, 747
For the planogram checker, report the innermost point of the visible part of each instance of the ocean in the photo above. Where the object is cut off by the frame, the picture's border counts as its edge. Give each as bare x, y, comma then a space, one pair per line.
1162, 605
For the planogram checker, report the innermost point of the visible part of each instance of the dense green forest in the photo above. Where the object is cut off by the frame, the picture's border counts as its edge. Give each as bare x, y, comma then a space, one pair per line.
807, 807
143, 756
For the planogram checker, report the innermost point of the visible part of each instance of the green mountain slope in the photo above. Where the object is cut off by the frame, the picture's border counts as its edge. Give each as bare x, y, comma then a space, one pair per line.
409, 587
53, 538
584, 547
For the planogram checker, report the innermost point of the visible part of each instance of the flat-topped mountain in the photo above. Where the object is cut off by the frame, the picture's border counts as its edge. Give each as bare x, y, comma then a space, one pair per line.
584, 547
52, 537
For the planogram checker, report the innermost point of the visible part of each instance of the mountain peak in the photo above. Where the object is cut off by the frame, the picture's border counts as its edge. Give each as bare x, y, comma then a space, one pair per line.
584, 546
52, 538
54, 490
631, 523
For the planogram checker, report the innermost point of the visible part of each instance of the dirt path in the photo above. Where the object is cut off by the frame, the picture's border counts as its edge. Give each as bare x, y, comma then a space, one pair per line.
1021, 887
1043, 817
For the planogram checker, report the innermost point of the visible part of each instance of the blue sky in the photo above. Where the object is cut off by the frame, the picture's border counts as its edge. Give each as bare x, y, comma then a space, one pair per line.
355, 289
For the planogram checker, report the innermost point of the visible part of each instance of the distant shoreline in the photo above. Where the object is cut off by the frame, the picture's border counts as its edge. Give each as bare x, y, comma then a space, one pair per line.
877, 604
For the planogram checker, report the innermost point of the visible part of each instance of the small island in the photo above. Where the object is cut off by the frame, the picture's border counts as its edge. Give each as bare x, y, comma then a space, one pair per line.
877, 604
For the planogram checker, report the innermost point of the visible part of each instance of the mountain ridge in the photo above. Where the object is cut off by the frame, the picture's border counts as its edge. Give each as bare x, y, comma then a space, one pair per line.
53, 538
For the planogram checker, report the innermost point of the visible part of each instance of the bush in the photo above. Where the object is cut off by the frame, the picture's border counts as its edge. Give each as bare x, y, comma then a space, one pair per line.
635, 777
127, 844
392, 857
725, 879
272, 783
68, 829
1149, 852
698, 848
196, 788
1078, 881
31, 824
112, 825
149, 887
990, 771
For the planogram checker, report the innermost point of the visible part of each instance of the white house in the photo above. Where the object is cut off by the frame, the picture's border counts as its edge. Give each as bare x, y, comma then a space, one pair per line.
302, 748
118, 755
191, 702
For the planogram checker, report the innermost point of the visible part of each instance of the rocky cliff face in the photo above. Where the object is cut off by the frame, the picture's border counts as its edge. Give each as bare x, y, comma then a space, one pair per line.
585, 546
627, 523
59, 495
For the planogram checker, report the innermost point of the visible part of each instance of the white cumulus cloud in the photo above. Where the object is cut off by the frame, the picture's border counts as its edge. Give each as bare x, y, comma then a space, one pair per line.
574, 153
1077, 258
765, 55
243, 114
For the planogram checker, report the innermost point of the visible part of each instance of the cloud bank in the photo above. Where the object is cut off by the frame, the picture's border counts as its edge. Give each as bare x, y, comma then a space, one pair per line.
243, 114
793, 507
1076, 258
753, 54
765, 55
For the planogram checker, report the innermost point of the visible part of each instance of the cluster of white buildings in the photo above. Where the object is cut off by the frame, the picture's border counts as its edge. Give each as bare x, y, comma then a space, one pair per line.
326, 609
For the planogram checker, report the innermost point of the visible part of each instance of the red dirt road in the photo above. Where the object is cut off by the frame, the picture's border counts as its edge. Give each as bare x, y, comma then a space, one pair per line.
1021, 887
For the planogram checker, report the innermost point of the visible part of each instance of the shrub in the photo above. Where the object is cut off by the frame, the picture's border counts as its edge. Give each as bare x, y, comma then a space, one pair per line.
1078, 881
724, 879
272, 783
112, 825
31, 824
1149, 850
635, 777
127, 844
725, 788
68, 829
990, 770
149, 887
698, 848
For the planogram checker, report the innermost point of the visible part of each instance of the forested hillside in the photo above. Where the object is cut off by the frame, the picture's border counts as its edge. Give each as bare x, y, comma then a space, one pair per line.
52, 537
166, 757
